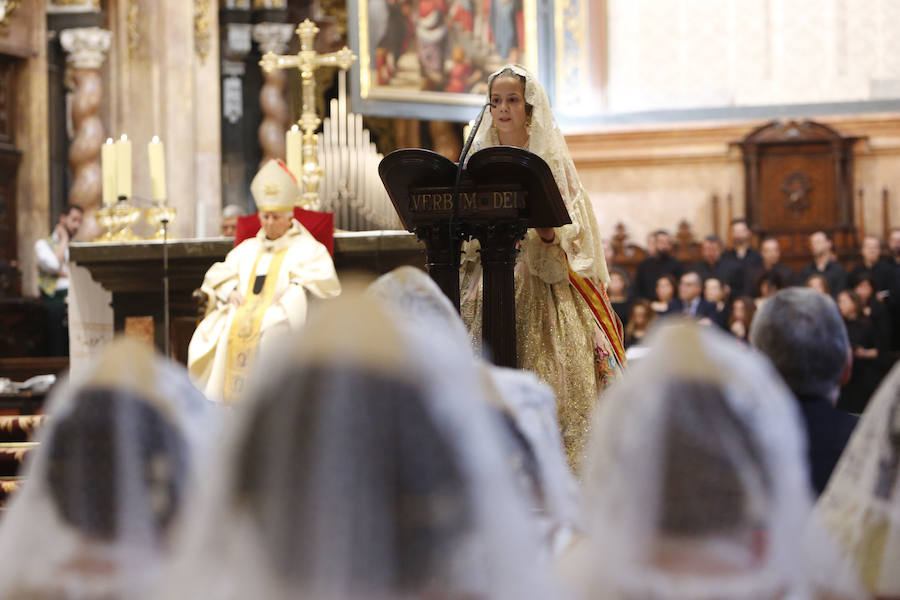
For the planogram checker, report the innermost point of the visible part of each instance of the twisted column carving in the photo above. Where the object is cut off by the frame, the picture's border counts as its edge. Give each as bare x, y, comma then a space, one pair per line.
273, 37
86, 48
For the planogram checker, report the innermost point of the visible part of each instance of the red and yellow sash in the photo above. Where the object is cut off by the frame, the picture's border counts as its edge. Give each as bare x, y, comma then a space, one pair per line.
606, 317
243, 337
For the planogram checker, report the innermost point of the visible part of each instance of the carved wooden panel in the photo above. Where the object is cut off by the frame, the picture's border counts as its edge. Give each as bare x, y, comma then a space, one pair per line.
799, 179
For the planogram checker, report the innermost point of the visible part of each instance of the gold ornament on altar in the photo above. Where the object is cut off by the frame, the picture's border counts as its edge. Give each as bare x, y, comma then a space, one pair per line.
6, 9
121, 211
307, 61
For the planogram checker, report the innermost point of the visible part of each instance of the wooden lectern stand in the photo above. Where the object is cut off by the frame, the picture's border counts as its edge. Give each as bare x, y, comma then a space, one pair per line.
503, 191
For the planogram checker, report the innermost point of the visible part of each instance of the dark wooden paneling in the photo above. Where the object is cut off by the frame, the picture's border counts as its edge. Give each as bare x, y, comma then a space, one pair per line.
799, 179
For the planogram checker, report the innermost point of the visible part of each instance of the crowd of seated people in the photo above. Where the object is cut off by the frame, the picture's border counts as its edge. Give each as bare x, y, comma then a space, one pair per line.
376, 456
726, 286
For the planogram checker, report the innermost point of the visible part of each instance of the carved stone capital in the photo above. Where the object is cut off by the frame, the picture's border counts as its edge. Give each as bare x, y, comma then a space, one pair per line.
73, 6
273, 37
237, 41
86, 47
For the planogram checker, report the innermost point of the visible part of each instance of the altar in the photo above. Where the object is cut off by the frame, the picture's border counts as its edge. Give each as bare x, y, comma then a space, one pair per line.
114, 281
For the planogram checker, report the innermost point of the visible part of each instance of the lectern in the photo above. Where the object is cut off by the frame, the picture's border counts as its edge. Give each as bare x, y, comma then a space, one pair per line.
503, 191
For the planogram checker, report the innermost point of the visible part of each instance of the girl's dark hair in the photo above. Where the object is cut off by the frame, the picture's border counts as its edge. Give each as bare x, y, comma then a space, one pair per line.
820, 277
318, 420
86, 462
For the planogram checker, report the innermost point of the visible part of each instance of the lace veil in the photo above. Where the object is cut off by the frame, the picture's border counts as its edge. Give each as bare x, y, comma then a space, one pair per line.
696, 480
529, 403
103, 492
861, 504
581, 239
362, 464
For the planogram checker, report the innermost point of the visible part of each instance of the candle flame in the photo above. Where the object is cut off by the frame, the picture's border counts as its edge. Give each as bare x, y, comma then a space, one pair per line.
124, 138
109, 140
295, 128
155, 139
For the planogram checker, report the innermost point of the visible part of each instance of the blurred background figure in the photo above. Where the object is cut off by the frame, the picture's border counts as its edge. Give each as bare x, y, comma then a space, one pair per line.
824, 263
803, 335
695, 487
658, 263
639, 321
716, 293
817, 282
861, 505
665, 301
106, 487
230, 216
52, 257
363, 464
868, 347
742, 311
619, 292
742, 253
770, 252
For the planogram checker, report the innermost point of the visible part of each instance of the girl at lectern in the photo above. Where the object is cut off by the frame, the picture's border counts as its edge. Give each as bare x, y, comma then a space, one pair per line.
566, 330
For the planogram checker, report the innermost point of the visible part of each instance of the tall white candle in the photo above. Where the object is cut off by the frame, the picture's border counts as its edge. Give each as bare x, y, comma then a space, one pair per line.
294, 150
108, 166
156, 152
123, 167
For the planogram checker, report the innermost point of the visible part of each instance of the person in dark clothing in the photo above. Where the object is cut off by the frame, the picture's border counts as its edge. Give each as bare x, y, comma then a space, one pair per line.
747, 259
823, 263
619, 293
768, 283
892, 297
713, 264
715, 293
880, 270
690, 302
653, 267
770, 250
665, 302
803, 334
867, 372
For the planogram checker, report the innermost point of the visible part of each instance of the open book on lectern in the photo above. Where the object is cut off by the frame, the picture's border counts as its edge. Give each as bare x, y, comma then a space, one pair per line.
500, 184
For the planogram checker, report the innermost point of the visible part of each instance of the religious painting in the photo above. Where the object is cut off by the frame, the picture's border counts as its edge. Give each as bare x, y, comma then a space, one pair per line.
431, 58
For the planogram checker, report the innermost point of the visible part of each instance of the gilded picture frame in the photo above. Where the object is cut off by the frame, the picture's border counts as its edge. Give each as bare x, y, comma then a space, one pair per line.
429, 59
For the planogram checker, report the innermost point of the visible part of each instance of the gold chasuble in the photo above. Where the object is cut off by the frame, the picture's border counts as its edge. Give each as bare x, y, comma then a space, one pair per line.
243, 337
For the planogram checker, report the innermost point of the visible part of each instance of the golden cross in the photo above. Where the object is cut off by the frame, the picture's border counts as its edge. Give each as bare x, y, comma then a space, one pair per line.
307, 61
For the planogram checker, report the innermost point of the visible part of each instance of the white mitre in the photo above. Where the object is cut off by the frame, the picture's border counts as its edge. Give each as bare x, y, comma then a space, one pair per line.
274, 189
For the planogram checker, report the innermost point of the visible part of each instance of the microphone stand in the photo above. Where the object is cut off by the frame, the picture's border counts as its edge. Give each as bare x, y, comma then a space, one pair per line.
462, 162
165, 225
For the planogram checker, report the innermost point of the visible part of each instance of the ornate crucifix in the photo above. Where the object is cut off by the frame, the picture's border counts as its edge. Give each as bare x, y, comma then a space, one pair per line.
307, 61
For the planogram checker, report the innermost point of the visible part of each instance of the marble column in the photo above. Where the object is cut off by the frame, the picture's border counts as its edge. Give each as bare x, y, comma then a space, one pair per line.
86, 49
273, 37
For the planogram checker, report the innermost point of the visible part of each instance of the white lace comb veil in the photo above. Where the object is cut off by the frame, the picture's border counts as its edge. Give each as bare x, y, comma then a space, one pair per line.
861, 504
530, 403
362, 465
103, 491
696, 481
581, 239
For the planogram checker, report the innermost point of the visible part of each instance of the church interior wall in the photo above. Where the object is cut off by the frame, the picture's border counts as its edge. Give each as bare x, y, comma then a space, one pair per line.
29, 32
654, 176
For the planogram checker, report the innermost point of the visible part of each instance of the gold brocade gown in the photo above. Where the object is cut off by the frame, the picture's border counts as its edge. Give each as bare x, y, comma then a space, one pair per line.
557, 336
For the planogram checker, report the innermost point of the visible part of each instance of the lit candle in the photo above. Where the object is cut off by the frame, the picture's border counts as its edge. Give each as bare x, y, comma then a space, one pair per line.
123, 167
157, 154
108, 165
293, 147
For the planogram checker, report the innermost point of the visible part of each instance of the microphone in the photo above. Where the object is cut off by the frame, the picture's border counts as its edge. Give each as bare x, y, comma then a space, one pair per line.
462, 162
